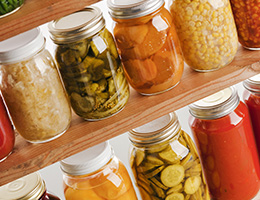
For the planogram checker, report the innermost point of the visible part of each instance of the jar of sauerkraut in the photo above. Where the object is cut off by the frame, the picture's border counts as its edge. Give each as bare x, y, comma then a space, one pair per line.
165, 162
96, 174
89, 64
32, 88
207, 32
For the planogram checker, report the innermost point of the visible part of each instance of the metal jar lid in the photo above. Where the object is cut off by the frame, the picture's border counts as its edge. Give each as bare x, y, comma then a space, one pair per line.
156, 131
88, 161
128, 9
216, 105
76, 26
30, 187
21, 46
253, 84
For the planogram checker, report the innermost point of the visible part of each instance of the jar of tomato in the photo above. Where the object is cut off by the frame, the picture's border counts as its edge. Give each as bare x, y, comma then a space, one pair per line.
96, 173
224, 136
30, 187
148, 44
165, 162
247, 19
207, 32
32, 89
89, 64
7, 135
251, 97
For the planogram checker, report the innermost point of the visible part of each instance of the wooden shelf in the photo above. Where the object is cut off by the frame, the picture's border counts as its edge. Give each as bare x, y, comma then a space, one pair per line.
35, 13
139, 110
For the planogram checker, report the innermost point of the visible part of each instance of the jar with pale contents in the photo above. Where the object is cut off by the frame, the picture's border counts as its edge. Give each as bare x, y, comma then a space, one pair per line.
207, 32
32, 88
148, 44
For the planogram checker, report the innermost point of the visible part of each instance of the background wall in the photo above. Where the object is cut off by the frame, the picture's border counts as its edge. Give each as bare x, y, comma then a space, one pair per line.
53, 175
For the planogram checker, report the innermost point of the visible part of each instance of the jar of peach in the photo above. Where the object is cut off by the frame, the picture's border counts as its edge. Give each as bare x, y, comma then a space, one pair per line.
96, 174
148, 44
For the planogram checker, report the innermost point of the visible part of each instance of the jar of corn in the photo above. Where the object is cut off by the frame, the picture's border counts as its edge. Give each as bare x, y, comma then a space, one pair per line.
207, 32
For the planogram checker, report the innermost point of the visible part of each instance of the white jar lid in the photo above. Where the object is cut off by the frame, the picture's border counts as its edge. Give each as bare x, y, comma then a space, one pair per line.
21, 46
87, 161
253, 84
30, 187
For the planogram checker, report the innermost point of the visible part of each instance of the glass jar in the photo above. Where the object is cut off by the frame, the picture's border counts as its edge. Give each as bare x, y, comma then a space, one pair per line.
89, 64
7, 135
9, 7
32, 88
96, 174
207, 32
251, 97
165, 162
148, 44
223, 134
30, 187
246, 15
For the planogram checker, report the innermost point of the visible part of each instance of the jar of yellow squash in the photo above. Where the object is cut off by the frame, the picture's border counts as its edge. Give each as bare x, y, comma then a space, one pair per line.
148, 44
207, 32
96, 174
165, 162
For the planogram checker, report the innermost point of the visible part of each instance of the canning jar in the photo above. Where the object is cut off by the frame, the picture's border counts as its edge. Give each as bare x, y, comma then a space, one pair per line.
89, 64
32, 88
30, 187
165, 162
148, 44
96, 174
7, 135
9, 7
223, 134
251, 97
207, 32
246, 15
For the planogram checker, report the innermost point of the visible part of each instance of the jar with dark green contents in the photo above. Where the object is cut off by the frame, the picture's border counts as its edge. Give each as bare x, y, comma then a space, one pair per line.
9, 6
89, 64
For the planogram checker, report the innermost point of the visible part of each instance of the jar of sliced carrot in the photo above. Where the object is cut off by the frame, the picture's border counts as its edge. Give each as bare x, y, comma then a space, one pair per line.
148, 44
165, 162
96, 174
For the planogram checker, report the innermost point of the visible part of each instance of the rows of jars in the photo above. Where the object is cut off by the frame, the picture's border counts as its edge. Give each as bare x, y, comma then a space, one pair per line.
222, 162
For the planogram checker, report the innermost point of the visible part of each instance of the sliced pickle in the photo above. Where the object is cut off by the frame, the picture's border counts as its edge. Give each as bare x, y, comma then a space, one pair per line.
157, 148
85, 104
146, 167
154, 172
158, 183
192, 184
139, 157
154, 160
159, 191
145, 186
177, 188
187, 197
169, 156
172, 175
145, 195
175, 196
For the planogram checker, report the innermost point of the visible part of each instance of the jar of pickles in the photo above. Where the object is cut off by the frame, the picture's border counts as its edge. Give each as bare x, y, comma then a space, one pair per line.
30, 187
96, 174
207, 32
165, 162
8, 7
32, 88
223, 133
148, 44
247, 18
89, 64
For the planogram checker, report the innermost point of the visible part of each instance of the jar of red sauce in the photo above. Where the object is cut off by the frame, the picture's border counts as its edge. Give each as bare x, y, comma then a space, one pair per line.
7, 135
148, 44
251, 97
224, 136
247, 18
30, 187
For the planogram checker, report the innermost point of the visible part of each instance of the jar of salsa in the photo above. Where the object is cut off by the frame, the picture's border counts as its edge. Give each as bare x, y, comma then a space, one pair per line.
32, 89
251, 97
207, 32
165, 162
89, 64
30, 187
96, 174
223, 133
7, 135
148, 44
247, 17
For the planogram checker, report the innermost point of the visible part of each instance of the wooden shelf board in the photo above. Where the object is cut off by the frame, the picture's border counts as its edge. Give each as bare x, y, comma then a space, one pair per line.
139, 110
35, 13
